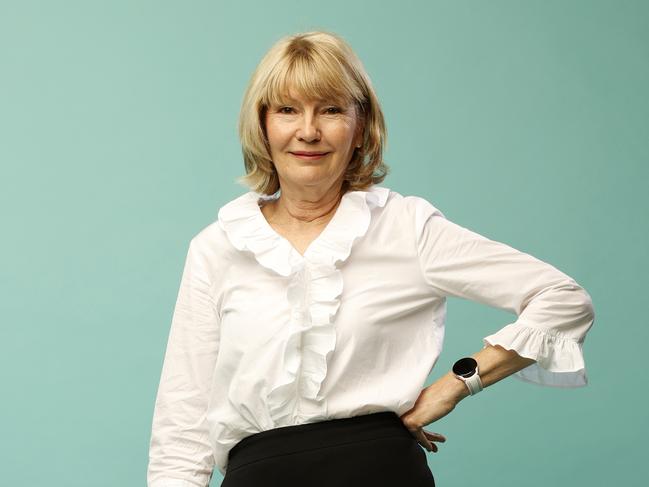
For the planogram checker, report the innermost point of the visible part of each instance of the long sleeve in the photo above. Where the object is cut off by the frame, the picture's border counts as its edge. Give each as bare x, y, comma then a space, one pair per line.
180, 454
553, 312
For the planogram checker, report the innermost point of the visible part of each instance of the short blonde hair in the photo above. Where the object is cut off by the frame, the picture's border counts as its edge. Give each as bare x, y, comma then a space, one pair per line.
317, 65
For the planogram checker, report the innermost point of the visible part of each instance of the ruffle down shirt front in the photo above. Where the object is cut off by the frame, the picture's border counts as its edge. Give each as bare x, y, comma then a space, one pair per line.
263, 337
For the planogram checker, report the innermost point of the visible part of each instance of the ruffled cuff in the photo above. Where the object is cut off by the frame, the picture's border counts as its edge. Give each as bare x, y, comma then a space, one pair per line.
559, 358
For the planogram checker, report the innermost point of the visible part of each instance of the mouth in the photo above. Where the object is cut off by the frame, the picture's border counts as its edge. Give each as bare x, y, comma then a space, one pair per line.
309, 156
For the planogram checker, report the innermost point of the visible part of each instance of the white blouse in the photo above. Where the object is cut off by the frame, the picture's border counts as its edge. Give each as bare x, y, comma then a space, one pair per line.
263, 337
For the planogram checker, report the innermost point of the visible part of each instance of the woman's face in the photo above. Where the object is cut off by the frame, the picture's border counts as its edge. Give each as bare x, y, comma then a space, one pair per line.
312, 126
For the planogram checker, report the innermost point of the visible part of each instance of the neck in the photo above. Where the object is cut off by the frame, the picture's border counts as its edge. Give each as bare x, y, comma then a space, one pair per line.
304, 207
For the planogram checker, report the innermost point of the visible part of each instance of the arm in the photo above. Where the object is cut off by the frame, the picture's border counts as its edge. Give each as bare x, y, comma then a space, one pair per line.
440, 398
553, 312
494, 363
180, 454
543, 345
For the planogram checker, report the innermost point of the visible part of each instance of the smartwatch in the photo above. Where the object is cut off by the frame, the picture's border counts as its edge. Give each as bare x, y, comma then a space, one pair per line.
466, 370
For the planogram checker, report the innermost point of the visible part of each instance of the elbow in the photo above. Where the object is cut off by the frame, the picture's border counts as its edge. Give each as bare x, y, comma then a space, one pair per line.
582, 300
586, 309
589, 309
582, 314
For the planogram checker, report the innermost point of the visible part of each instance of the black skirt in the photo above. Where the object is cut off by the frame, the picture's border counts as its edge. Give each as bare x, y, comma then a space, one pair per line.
374, 449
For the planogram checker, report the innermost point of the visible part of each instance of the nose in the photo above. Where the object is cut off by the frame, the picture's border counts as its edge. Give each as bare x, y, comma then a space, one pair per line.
308, 130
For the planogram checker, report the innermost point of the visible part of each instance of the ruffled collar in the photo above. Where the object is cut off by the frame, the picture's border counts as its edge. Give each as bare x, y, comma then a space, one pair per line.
314, 290
247, 229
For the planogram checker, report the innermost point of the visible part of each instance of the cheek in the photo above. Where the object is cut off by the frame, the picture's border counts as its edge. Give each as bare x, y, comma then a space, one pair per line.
341, 131
277, 134
343, 135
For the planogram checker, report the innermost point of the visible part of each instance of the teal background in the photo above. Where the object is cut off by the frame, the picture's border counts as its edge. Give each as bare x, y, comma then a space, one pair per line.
525, 121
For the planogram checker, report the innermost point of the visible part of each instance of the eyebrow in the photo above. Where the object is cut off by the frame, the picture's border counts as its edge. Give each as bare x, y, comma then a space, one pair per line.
320, 101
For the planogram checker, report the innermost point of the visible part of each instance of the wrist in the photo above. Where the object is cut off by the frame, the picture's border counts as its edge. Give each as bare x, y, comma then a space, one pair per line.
457, 388
467, 371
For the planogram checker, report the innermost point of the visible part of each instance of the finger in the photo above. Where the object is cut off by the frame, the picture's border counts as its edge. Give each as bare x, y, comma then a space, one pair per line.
423, 441
435, 436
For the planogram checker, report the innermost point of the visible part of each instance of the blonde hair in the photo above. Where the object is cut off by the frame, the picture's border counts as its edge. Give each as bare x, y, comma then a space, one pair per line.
315, 64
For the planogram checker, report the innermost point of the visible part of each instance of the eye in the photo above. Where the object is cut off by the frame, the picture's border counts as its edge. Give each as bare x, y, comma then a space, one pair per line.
285, 109
333, 110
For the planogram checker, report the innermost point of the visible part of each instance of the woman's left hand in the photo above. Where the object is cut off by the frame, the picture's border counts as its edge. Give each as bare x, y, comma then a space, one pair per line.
434, 402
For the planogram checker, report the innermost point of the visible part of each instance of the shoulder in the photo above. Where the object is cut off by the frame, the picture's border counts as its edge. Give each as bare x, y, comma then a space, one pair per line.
411, 208
210, 244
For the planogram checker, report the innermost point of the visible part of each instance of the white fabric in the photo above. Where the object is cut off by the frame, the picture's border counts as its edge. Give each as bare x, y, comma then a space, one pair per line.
263, 337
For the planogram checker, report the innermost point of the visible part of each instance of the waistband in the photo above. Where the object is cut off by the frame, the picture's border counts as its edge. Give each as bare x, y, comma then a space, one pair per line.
302, 437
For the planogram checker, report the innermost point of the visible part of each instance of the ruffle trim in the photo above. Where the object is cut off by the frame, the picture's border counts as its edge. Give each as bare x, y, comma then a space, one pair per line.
314, 289
559, 358
247, 229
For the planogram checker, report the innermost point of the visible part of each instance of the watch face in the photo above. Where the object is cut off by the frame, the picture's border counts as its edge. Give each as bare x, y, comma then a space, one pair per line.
465, 366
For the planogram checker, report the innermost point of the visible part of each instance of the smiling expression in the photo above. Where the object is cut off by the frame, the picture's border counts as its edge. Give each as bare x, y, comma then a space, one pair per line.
311, 141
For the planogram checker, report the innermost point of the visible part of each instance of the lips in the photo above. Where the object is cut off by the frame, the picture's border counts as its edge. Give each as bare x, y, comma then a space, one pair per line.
309, 156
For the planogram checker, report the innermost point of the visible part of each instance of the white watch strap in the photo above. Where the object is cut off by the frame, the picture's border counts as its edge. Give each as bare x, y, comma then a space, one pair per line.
474, 383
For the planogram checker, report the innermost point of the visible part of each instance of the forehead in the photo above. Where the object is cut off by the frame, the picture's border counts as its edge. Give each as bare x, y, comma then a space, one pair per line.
303, 88
295, 97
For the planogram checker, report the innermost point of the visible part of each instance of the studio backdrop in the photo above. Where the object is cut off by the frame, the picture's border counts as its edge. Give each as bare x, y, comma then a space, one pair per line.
525, 121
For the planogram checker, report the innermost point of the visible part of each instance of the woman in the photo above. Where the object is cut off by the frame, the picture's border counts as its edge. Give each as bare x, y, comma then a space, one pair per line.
311, 312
